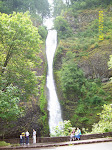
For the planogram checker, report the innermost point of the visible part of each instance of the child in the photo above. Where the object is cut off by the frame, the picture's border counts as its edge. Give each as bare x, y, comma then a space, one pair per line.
72, 135
21, 141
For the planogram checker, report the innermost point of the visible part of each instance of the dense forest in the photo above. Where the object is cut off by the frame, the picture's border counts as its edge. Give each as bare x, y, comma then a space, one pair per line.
82, 64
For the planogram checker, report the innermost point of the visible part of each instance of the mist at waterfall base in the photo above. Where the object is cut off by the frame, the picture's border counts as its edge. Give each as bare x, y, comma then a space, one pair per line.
53, 103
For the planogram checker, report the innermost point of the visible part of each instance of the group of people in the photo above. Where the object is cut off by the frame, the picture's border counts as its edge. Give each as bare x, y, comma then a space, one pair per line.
75, 135
26, 134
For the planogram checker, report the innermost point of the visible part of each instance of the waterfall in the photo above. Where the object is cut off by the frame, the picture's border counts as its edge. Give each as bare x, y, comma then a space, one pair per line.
53, 102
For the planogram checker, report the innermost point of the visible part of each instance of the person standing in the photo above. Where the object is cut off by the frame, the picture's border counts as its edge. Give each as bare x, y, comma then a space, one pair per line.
34, 136
23, 138
27, 137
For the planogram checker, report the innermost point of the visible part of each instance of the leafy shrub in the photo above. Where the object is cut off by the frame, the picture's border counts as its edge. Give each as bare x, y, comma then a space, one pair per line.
9, 108
85, 47
87, 4
105, 123
81, 92
43, 32
63, 129
3, 143
96, 100
62, 26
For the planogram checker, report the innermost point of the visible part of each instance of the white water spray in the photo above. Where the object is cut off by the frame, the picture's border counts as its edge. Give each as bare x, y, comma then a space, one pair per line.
53, 102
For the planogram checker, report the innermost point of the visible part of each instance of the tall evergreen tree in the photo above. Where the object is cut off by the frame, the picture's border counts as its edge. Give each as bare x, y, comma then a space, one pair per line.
34, 6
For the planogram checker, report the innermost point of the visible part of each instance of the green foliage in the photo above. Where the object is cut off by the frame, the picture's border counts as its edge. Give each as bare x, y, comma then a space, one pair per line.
81, 97
19, 55
82, 40
34, 6
36, 19
79, 5
9, 109
87, 4
43, 32
42, 7
96, 100
86, 94
105, 123
19, 43
43, 105
3, 143
58, 7
70, 74
63, 129
62, 26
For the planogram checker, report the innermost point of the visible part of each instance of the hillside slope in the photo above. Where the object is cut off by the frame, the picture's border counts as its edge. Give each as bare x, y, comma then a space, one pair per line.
91, 55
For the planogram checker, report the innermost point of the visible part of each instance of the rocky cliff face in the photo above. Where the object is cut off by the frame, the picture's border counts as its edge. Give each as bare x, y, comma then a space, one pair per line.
95, 65
91, 56
81, 21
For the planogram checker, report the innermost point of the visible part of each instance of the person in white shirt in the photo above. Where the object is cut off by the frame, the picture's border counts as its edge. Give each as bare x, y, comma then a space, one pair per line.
34, 136
27, 137
21, 140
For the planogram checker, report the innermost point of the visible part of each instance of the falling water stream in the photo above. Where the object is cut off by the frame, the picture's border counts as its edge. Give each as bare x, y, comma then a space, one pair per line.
53, 102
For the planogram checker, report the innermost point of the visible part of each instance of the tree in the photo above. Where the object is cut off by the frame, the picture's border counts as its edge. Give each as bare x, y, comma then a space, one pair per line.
105, 123
81, 97
42, 7
33, 6
43, 32
58, 7
19, 53
71, 76
63, 28
9, 109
